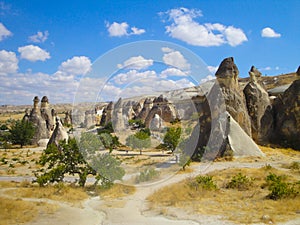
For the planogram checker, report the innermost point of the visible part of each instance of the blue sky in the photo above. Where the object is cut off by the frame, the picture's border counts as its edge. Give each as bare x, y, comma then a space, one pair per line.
47, 46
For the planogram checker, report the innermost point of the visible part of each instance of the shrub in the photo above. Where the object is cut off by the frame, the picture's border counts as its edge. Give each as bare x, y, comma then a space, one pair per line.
240, 182
202, 183
281, 189
147, 175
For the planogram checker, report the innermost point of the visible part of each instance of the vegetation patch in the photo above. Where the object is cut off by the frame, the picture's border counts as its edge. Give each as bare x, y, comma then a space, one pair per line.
17, 211
209, 195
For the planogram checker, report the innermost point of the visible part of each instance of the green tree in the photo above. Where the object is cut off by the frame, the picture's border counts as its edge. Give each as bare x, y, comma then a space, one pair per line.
58, 162
78, 160
172, 137
21, 132
139, 140
109, 141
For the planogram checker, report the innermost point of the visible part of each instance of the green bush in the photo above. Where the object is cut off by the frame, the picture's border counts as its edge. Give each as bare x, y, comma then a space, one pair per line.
281, 189
203, 183
240, 182
147, 175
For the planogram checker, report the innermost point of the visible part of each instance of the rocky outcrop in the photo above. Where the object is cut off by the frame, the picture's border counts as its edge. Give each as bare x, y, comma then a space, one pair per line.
89, 119
285, 113
163, 108
298, 71
106, 114
227, 77
59, 134
156, 123
257, 101
147, 106
41, 128
67, 119
46, 113
117, 116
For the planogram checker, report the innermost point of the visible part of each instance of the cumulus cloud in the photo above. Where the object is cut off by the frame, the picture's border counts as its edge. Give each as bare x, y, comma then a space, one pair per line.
33, 53
172, 72
208, 78
134, 76
175, 58
212, 69
268, 32
185, 28
4, 32
78, 65
39, 37
122, 29
8, 62
136, 62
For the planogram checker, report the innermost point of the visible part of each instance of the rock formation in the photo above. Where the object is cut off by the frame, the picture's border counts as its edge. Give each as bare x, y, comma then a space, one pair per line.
156, 123
46, 113
41, 128
163, 108
284, 117
59, 134
117, 116
147, 106
227, 77
257, 101
67, 119
89, 119
106, 114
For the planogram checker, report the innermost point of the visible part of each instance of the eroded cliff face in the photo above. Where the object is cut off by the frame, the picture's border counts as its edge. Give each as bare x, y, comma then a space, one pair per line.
281, 122
227, 77
257, 101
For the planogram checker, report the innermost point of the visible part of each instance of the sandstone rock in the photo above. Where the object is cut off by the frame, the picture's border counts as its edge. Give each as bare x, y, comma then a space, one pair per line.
59, 134
163, 108
257, 100
106, 114
298, 71
156, 123
286, 114
148, 103
43, 142
117, 116
67, 119
46, 113
227, 77
89, 119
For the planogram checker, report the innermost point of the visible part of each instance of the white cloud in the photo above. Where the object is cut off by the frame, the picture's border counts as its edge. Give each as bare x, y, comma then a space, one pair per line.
172, 72
40, 37
134, 76
33, 53
208, 78
136, 62
175, 59
121, 29
78, 65
137, 31
8, 62
212, 69
234, 36
185, 28
266, 68
269, 33
4, 32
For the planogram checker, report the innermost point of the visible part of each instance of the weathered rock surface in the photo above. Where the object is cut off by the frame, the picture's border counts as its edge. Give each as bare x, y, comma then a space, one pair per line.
163, 108
257, 101
106, 114
227, 77
59, 134
156, 123
147, 106
285, 113
117, 116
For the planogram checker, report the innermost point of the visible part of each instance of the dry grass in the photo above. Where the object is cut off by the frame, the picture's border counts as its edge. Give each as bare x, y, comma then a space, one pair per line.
58, 192
20, 162
250, 206
116, 191
16, 211
11, 116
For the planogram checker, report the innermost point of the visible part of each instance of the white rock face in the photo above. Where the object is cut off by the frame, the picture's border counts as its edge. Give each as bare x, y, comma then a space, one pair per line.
156, 123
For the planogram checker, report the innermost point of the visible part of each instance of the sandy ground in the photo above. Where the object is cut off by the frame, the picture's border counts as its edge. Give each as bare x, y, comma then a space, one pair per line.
134, 210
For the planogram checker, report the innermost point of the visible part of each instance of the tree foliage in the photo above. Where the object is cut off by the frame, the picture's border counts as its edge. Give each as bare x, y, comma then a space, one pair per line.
139, 140
21, 132
172, 137
78, 160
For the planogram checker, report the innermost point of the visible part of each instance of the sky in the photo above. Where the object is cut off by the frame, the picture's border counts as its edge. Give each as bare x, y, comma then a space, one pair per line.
87, 50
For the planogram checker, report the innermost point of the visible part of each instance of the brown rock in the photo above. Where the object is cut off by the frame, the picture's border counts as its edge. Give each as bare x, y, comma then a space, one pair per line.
227, 77
257, 100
